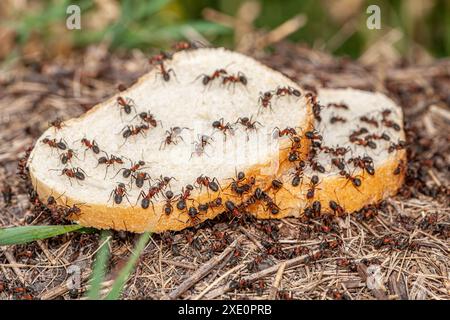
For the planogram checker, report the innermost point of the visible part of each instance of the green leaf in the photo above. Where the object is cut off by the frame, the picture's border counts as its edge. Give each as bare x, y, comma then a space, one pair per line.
98, 273
118, 285
19, 235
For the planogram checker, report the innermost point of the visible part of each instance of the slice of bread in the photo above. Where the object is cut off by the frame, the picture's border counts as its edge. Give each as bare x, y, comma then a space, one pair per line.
206, 116
318, 185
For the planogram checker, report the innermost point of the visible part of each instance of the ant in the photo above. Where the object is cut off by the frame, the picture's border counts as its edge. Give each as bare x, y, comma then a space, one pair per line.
163, 182
66, 157
140, 178
171, 136
374, 136
314, 181
215, 75
159, 58
264, 99
210, 205
119, 192
391, 124
354, 135
396, 146
168, 208
313, 135
108, 161
133, 168
165, 73
272, 207
368, 120
337, 209
52, 143
248, 124
90, 145
298, 174
364, 163
285, 132
231, 79
400, 168
385, 113
365, 143
219, 124
338, 106
129, 131
76, 173
336, 119
199, 146
355, 180
283, 91
125, 104
316, 166
212, 184
338, 163
57, 124
187, 45
147, 197
185, 194
147, 117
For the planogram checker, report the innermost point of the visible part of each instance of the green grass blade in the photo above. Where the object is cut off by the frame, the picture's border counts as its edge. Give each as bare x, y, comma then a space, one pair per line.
98, 273
20, 235
119, 283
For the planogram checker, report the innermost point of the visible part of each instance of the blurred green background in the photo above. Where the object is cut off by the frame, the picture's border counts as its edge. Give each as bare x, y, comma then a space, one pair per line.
36, 29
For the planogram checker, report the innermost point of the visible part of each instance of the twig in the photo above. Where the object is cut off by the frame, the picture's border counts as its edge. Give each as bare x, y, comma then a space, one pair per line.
251, 238
202, 271
226, 274
276, 282
13, 263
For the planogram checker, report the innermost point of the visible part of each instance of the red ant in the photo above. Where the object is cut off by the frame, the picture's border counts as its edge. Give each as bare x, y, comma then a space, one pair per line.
148, 118
365, 143
66, 157
163, 182
364, 163
185, 194
187, 45
265, 99
133, 168
210, 205
283, 91
52, 143
336, 119
248, 124
314, 181
385, 113
108, 161
212, 184
168, 208
285, 132
129, 131
368, 120
76, 173
90, 145
391, 124
125, 104
354, 135
140, 178
215, 75
57, 123
119, 192
165, 73
400, 168
199, 146
219, 124
396, 146
316, 166
313, 135
337, 209
171, 136
374, 136
355, 181
338, 163
337, 106
298, 174
231, 79
159, 58
147, 197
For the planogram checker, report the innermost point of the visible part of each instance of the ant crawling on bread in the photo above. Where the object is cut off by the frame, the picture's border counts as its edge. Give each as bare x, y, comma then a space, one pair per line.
216, 203
219, 124
391, 124
338, 106
313, 135
187, 45
148, 118
109, 161
248, 124
338, 163
185, 194
365, 163
355, 180
239, 187
371, 121
337, 209
287, 91
90, 145
165, 73
316, 166
365, 143
133, 168
172, 136
52, 143
67, 156
119, 193
206, 79
73, 173
373, 136
212, 184
336, 119
314, 181
401, 167
288, 131
265, 100
140, 177
199, 146
233, 79
298, 174
57, 124
397, 146
147, 197
125, 104
355, 134
131, 130
168, 208
159, 58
